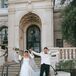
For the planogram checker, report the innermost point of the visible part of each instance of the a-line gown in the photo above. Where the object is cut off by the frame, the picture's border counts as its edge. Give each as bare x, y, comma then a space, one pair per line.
27, 69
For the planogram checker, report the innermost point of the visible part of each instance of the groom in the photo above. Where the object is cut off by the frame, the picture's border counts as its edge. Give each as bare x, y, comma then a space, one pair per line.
45, 60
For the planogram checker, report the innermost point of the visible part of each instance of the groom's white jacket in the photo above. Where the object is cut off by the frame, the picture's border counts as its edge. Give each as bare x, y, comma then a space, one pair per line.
45, 58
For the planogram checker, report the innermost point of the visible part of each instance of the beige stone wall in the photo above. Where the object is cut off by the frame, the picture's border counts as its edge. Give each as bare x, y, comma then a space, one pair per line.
57, 28
0, 3
17, 11
26, 0
57, 25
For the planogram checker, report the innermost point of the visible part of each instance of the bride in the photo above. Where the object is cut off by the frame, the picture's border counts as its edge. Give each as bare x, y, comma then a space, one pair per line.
28, 67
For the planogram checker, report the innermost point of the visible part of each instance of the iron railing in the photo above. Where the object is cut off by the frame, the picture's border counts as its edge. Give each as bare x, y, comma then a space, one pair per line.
55, 71
6, 67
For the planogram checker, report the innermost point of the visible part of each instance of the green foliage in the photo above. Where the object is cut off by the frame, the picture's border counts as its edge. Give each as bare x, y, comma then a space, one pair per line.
63, 1
66, 66
72, 3
69, 24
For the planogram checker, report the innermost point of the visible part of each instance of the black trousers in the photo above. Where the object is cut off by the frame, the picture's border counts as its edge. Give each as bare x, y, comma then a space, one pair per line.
44, 68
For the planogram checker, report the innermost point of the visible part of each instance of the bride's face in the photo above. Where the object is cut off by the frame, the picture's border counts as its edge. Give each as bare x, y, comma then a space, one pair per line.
26, 54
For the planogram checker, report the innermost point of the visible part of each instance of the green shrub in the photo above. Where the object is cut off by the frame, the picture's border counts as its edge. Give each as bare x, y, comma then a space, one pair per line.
66, 66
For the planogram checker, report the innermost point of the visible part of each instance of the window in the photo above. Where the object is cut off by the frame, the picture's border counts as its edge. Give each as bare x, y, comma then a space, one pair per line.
34, 38
4, 35
4, 3
59, 42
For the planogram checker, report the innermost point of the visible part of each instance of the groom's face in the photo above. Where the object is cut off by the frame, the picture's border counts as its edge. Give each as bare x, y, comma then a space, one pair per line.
46, 51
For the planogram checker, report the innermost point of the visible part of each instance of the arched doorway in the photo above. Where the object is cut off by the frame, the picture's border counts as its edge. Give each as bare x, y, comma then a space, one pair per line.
33, 38
29, 24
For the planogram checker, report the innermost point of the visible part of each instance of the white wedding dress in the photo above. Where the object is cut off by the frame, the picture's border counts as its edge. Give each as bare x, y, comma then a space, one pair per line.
27, 68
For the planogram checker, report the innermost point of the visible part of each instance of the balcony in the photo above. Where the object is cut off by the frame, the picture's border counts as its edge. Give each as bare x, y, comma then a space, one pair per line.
67, 53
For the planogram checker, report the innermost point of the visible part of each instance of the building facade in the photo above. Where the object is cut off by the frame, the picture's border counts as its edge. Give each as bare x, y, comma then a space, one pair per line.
30, 23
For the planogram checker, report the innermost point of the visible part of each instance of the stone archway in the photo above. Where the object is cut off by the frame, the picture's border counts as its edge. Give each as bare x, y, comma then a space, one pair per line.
27, 20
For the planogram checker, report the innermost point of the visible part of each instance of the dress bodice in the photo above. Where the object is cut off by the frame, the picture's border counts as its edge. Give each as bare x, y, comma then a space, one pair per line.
25, 60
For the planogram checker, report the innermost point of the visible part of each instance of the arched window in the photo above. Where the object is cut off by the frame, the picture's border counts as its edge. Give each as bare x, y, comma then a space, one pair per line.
4, 35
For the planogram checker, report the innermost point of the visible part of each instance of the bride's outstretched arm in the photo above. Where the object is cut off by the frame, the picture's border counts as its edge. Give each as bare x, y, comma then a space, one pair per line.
38, 54
31, 55
32, 51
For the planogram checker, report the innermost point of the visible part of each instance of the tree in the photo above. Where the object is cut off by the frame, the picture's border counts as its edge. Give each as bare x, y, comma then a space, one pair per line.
69, 23
72, 2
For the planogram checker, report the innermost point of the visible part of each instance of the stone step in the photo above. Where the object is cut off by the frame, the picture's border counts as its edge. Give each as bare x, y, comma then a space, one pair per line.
15, 72
11, 68
10, 74
37, 60
14, 69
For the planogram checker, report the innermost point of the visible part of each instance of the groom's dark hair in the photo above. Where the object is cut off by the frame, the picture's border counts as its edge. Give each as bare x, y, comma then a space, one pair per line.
45, 48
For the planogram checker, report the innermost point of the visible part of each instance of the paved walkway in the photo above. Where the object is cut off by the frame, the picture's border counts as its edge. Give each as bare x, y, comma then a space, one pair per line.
61, 73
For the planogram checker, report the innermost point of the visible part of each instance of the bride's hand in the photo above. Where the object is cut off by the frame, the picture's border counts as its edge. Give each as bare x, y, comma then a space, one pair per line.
30, 50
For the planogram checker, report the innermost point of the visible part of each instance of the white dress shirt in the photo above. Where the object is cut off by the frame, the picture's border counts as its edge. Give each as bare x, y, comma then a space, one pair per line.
45, 58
